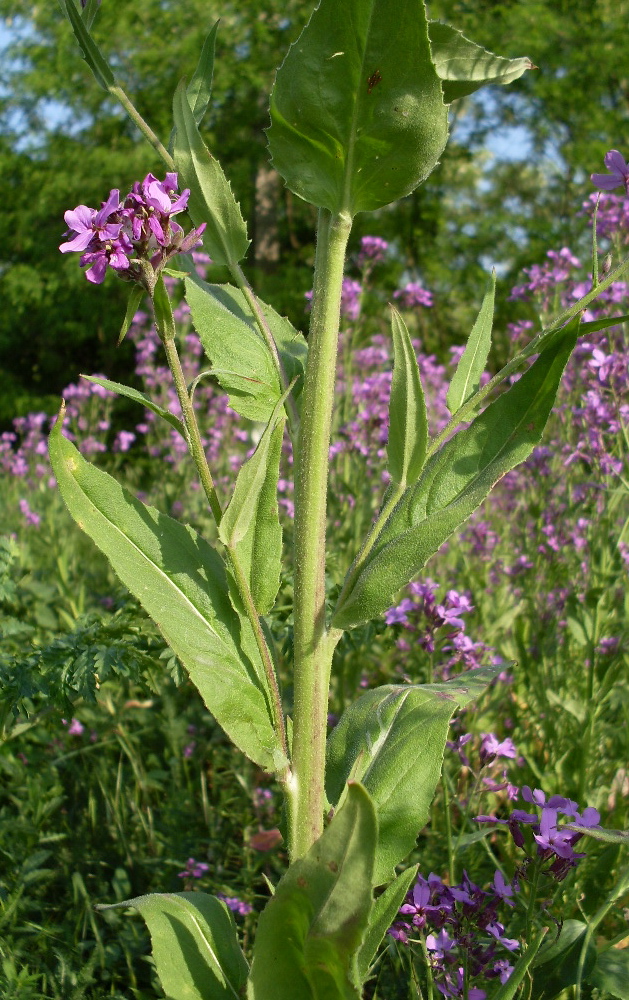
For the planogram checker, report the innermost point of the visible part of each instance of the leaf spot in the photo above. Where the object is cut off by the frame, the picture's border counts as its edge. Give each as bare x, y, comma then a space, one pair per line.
333, 866
302, 882
373, 80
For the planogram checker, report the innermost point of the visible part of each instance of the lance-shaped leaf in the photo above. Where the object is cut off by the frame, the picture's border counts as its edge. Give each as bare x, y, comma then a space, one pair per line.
310, 932
392, 740
237, 350
211, 197
455, 482
91, 52
357, 114
199, 90
181, 582
408, 423
139, 397
383, 913
464, 67
250, 526
471, 366
195, 945
557, 965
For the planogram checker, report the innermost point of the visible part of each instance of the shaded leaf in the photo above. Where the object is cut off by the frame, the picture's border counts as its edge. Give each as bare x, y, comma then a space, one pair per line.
611, 973
357, 115
181, 582
310, 931
392, 740
139, 397
195, 944
250, 525
90, 50
471, 366
464, 67
211, 198
237, 350
557, 964
455, 481
384, 911
199, 90
408, 423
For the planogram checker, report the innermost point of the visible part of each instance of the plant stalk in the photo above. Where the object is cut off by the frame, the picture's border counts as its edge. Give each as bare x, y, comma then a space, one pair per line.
313, 643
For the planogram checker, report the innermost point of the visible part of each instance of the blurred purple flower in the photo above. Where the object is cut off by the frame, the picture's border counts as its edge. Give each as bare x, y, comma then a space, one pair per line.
413, 295
491, 747
235, 905
194, 869
618, 173
372, 249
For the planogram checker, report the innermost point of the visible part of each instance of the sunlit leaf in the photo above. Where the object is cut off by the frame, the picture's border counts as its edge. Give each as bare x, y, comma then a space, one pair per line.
357, 114
463, 66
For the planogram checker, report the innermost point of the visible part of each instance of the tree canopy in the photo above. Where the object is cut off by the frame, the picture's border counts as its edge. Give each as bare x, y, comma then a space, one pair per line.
63, 142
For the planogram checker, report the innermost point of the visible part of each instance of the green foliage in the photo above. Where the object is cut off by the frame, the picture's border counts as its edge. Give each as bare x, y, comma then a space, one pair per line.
310, 931
464, 67
355, 125
180, 580
195, 946
211, 198
239, 355
470, 369
250, 525
455, 482
408, 422
392, 740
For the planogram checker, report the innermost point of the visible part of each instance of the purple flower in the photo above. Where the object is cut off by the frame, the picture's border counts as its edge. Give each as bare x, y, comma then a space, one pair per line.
372, 248
194, 869
413, 295
235, 905
618, 173
491, 748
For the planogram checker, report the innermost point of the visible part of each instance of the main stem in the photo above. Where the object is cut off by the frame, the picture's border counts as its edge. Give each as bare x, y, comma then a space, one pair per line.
313, 642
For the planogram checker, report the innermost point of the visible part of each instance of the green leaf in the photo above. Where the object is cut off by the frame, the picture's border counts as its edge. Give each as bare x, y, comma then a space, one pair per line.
237, 350
509, 989
455, 481
384, 911
357, 114
181, 582
195, 944
557, 964
89, 12
408, 423
139, 397
91, 52
611, 973
132, 305
464, 67
211, 197
310, 932
250, 524
471, 366
599, 833
392, 740
199, 90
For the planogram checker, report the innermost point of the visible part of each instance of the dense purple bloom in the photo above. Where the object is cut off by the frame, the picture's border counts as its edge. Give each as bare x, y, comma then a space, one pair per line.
123, 231
235, 904
618, 173
373, 249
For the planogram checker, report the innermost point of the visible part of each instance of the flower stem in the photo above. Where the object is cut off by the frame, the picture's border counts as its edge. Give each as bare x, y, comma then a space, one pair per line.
313, 642
166, 328
144, 127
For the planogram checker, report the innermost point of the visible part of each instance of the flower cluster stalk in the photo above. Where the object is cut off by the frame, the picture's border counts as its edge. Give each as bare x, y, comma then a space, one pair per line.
166, 328
313, 642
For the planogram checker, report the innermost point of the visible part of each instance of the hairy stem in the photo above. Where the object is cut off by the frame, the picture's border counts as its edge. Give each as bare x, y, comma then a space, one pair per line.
313, 643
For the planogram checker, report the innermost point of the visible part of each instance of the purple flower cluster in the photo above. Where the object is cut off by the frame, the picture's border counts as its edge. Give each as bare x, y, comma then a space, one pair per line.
437, 627
125, 232
461, 931
235, 904
413, 295
541, 834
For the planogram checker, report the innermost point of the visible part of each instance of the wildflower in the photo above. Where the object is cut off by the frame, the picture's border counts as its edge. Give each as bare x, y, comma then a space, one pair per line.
194, 869
130, 234
618, 173
491, 748
373, 249
413, 295
235, 904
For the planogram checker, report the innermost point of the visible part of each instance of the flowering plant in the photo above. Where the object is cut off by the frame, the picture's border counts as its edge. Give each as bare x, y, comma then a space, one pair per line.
356, 123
